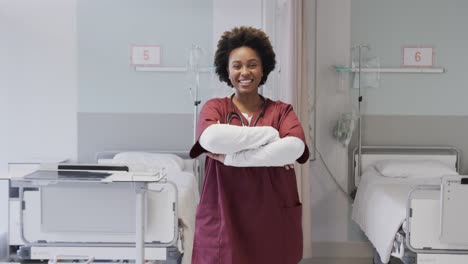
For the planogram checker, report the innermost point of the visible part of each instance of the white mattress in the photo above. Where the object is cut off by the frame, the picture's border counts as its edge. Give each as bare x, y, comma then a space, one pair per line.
380, 207
189, 198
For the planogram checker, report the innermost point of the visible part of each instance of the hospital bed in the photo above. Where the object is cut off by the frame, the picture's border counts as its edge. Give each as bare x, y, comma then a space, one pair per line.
410, 204
91, 213
181, 170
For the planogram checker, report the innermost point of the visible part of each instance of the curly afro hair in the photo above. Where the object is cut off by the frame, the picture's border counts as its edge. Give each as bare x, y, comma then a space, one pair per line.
244, 37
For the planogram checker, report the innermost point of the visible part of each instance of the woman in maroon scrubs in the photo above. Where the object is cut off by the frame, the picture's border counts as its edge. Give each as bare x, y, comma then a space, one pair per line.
249, 210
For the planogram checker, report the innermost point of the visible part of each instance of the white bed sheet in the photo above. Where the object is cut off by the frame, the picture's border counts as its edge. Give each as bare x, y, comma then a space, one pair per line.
380, 207
188, 199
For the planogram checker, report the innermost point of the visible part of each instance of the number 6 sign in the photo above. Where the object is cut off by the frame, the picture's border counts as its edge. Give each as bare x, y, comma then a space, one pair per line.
146, 55
418, 56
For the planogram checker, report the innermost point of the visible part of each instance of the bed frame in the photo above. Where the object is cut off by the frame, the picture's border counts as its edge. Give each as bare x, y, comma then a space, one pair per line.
92, 245
104, 156
51, 218
424, 204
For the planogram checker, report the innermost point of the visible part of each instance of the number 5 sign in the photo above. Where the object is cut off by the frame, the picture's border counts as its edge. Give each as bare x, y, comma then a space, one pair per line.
418, 56
146, 55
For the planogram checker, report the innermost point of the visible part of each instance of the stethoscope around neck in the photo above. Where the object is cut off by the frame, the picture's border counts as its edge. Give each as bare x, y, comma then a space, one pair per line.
237, 115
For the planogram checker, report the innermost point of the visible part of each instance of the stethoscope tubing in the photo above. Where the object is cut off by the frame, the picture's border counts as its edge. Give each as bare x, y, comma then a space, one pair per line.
236, 114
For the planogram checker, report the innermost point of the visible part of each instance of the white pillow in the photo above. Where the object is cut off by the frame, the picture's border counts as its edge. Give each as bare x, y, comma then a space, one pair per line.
145, 161
414, 168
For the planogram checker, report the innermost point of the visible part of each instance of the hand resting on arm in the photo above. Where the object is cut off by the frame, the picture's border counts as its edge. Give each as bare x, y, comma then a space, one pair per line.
278, 153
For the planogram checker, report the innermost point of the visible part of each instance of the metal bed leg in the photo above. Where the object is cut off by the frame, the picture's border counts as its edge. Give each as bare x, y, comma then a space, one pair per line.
140, 225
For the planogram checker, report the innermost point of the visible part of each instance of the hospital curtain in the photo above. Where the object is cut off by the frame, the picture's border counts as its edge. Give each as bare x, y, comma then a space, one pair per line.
292, 88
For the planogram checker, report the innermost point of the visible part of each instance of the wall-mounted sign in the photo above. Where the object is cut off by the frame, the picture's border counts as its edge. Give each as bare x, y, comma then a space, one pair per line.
414, 56
146, 55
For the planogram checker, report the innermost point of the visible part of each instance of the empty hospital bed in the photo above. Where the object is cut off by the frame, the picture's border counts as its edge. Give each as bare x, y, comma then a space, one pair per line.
408, 203
181, 170
79, 216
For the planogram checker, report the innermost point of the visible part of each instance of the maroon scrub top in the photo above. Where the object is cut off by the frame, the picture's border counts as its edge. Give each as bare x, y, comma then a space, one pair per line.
248, 215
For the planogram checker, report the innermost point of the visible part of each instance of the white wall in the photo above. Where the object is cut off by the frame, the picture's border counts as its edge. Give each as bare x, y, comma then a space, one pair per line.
108, 83
388, 26
333, 48
38, 79
330, 207
228, 14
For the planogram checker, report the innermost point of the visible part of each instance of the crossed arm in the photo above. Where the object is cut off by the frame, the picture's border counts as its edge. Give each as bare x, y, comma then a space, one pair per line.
250, 146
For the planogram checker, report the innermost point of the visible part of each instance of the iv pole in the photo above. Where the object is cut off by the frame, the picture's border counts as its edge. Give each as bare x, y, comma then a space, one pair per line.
359, 48
193, 66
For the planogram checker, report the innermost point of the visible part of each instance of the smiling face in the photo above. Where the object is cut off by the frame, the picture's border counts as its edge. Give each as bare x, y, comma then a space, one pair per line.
245, 69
